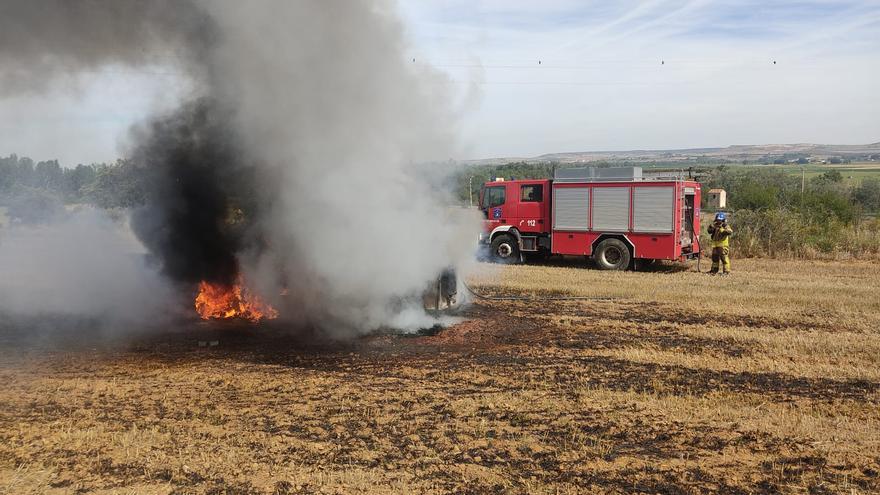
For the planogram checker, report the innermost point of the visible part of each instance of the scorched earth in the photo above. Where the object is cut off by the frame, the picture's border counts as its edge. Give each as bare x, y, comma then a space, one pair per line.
768, 381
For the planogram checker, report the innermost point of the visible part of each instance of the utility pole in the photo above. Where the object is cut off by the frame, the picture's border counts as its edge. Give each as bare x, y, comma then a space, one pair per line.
803, 179
471, 190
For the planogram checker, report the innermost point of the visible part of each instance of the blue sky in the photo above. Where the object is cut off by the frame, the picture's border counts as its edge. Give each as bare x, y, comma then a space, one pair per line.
612, 76
601, 85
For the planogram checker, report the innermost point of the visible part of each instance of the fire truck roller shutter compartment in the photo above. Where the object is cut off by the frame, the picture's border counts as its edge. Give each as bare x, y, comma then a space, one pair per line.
652, 209
571, 208
611, 209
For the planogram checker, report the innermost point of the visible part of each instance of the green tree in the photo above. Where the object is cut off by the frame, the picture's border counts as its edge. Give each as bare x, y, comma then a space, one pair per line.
867, 194
117, 186
77, 180
825, 205
829, 177
7, 173
32, 205
48, 175
755, 196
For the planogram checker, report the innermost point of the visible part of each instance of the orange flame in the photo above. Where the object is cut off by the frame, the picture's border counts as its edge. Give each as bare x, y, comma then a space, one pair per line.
219, 301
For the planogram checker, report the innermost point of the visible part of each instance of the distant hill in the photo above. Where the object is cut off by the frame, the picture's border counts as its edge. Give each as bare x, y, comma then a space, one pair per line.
734, 153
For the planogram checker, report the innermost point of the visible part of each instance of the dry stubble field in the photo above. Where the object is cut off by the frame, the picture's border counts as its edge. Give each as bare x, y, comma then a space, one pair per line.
768, 381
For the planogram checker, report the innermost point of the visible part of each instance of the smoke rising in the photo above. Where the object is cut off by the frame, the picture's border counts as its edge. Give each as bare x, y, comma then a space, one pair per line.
195, 177
86, 265
42, 40
294, 164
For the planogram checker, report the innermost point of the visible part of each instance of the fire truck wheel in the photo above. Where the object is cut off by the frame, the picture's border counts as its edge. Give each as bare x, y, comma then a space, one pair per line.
505, 249
612, 254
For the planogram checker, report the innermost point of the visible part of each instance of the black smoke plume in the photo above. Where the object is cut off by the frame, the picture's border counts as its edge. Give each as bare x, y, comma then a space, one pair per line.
41, 40
291, 163
200, 193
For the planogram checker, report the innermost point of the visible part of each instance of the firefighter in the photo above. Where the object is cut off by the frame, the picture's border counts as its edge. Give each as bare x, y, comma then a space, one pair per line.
720, 233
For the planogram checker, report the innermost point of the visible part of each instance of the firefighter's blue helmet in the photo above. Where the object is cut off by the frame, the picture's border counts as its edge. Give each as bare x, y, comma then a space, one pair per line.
721, 216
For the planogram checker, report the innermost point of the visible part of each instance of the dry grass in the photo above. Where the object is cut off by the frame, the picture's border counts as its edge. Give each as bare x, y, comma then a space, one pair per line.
764, 382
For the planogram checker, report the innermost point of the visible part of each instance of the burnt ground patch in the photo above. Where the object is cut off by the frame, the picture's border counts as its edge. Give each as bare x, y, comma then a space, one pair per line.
621, 374
664, 313
657, 336
494, 339
491, 404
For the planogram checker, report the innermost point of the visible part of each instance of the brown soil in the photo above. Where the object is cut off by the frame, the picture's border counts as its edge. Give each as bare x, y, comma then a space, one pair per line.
522, 397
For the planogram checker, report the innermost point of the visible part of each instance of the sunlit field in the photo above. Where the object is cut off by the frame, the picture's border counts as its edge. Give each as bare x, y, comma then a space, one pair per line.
765, 381
853, 173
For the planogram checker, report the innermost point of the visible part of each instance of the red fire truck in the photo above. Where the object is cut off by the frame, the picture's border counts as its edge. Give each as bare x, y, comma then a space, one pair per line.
614, 215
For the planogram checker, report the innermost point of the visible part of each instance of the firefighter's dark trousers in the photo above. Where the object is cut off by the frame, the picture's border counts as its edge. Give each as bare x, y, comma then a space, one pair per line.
720, 256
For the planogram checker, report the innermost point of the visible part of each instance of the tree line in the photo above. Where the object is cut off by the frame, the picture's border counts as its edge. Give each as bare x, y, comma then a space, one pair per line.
34, 192
777, 214
774, 213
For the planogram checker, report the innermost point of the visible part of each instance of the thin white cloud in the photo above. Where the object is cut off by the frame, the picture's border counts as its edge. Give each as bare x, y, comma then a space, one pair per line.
601, 85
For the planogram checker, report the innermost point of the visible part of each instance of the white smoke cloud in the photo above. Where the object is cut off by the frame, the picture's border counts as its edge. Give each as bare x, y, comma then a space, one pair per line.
325, 96
323, 101
86, 265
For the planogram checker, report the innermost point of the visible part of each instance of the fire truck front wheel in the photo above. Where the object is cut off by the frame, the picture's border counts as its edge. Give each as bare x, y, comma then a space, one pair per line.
612, 254
505, 249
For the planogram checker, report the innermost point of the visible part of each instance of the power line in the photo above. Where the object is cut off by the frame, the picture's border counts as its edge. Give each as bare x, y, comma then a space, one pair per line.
593, 64
568, 83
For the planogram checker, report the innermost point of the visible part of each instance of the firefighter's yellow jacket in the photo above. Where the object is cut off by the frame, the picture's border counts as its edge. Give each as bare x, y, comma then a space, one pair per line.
720, 235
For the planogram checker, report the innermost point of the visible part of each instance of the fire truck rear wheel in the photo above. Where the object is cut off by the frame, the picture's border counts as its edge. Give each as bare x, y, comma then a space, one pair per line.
505, 249
612, 254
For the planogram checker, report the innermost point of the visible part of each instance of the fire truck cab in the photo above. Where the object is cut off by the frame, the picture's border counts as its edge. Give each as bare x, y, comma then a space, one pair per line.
614, 215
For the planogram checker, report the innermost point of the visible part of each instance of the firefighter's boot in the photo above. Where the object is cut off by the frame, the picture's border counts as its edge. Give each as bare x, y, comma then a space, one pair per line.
725, 260
716, 261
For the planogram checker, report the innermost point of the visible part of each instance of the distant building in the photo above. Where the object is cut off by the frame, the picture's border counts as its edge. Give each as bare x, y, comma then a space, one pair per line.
717, 198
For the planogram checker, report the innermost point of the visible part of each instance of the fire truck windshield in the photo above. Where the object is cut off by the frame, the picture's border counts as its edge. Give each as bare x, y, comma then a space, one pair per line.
493, 196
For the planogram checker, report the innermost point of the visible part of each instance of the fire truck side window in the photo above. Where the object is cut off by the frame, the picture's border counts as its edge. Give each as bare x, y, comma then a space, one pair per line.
494, 196
533, 193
